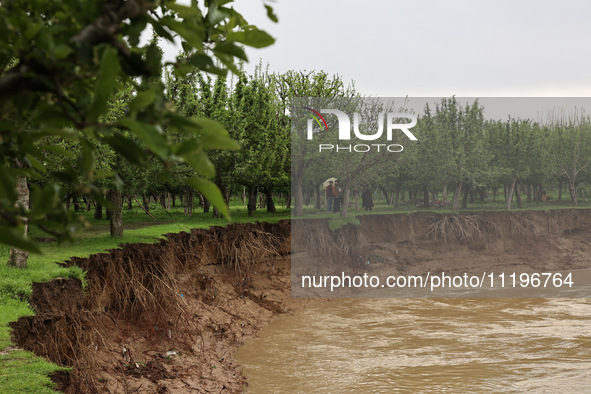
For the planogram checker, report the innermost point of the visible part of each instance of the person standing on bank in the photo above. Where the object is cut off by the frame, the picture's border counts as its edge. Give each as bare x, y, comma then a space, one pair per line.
338, 194
335, 196
367, 198
329, 197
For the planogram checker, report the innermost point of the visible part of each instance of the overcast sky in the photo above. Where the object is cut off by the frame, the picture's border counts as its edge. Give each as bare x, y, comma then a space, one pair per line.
434, 48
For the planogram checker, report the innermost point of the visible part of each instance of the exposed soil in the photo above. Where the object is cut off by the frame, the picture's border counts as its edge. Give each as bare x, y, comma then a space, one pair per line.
166, 317
170, 316
422, 242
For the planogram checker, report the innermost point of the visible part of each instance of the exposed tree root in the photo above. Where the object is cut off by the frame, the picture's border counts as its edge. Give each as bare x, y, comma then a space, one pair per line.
461, 228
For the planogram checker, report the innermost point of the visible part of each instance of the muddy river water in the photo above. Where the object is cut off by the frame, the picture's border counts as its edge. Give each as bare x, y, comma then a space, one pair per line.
454, 345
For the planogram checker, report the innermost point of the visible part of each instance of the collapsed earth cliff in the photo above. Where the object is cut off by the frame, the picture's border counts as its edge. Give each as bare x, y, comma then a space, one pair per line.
163, 317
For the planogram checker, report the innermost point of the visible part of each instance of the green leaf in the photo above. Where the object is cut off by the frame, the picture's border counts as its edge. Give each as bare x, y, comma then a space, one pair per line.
13, 238
135, 29
142, 100
151, 136
43, 200
184, 11
186, 146
127, 148
61, 51
87, 158
271, 14
205, 63
228, 61
104, 174
54, 118
206, 126
254, 38
192, 34
215, 14
230, 48
212, 135
211, 192
36, 164
7, 183
219, 142
154, 58
106, 82
160, 30
200, 163
59, 150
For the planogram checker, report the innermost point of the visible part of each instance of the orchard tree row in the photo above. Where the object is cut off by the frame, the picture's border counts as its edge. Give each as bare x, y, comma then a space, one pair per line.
459, 156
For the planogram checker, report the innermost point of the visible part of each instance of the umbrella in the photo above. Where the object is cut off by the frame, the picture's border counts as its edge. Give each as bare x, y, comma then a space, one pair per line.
326, 182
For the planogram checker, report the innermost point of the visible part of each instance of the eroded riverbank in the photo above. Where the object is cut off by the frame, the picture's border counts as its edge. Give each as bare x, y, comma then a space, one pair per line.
169, 317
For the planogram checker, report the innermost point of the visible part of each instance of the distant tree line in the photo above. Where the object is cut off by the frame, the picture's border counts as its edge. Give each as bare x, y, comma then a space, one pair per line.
461, 157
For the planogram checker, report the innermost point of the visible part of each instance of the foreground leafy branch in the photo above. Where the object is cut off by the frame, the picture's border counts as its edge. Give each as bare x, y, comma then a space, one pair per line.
61, 63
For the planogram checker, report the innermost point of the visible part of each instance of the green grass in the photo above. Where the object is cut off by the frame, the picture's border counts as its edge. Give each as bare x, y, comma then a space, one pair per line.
487, 205
381, 208
21, 371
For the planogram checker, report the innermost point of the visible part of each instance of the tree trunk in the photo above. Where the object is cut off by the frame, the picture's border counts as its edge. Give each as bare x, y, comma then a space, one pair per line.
510, 194
444, 192
98, 211
560, 189
388, 200
345, 202
318, 196
465, 199
168, 201
397, 196
572, 188
129, 204
188, 202
299, 195
146, 202
456, 197
262, 202
518, 195
116, 217
270, 203
252, 201
18, 258
426, 197
529, 193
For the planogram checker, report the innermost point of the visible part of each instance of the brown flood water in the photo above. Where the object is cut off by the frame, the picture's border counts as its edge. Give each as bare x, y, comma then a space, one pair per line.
454, 345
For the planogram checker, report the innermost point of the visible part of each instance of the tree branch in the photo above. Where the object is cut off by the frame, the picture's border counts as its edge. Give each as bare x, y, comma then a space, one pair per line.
104, 29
